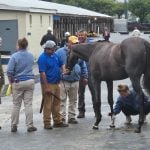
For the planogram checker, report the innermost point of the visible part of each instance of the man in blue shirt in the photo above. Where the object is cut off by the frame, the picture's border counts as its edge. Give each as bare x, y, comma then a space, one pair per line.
49, 68
128, 103
70, 83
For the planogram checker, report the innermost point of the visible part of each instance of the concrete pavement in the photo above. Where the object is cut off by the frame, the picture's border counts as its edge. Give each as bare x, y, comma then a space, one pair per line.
76, 137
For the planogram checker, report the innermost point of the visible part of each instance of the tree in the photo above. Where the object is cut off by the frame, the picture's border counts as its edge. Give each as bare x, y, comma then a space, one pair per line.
140, 8
119, 9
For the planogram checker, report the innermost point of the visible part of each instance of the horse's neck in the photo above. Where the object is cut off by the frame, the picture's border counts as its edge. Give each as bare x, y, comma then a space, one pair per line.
84, 51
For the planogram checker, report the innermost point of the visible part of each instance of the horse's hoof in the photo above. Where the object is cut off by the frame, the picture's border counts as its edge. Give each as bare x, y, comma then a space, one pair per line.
95, 127
112, 126
137, 130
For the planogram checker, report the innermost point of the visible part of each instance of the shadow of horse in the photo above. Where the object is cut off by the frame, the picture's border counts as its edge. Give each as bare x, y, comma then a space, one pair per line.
109, 62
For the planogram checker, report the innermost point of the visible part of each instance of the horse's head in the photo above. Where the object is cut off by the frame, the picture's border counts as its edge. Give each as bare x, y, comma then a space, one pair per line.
71, 59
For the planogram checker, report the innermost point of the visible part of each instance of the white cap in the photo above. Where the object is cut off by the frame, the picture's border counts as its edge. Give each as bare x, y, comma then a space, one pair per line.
49, 29
67, 34
49, 44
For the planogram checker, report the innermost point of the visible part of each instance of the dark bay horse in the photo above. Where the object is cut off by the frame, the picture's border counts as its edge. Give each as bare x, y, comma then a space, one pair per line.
108, 62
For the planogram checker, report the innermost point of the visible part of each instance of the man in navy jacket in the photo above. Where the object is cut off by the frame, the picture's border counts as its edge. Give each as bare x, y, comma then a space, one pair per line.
128, 103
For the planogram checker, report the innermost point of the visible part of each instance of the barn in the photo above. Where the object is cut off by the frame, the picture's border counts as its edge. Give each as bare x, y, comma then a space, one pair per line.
30, 19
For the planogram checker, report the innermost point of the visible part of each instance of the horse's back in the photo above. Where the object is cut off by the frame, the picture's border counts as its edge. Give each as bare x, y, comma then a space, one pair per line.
134, 52
106, 62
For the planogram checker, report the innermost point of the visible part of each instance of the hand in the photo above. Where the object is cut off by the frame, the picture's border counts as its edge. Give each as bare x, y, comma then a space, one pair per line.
111, 114
47, 89
85, 81
66, 71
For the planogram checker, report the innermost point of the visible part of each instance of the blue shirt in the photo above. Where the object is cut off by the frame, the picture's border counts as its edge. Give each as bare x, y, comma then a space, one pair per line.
50, 64
79, 69
129, 102
20, 66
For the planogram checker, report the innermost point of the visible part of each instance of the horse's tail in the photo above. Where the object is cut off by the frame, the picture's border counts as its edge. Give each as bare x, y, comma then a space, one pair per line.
146, 78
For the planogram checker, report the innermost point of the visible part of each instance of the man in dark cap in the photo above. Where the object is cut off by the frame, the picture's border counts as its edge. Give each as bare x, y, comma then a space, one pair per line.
48, 36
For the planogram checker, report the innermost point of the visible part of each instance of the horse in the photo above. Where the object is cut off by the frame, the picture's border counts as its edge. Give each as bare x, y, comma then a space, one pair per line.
110, 61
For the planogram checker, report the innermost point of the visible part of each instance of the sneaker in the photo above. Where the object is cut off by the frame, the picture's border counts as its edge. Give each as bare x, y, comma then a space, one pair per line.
14, 128
48, 127
81, 115
31, 129
60, 125
72, 121
128, 120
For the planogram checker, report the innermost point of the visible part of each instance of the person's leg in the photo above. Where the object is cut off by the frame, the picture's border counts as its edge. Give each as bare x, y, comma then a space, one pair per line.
28, 98
72, 102
56, 108
81, 99
63, 95
47, 109
128, 111
17, 94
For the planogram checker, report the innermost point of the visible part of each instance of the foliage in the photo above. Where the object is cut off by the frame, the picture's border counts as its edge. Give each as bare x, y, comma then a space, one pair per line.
119, 9
140, 8
110, 7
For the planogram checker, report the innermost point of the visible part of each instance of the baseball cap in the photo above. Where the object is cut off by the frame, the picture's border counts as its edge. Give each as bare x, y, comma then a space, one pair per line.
67, 33
49, 44
73, 39
49, 29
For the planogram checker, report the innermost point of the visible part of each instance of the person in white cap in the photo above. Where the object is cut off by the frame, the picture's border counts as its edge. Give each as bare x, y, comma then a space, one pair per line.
48, 36
65, 40
136, 32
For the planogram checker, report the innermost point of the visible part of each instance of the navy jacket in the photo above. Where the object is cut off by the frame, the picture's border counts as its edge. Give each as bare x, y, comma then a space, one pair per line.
130, 102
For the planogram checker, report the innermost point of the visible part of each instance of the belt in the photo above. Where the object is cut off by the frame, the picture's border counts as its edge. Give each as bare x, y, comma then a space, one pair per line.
70, 81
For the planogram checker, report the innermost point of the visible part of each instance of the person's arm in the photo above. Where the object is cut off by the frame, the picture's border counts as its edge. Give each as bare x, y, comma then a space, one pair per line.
118, 106
42, 70
42, 41
11, 69
84, 71
2, 78
44, 81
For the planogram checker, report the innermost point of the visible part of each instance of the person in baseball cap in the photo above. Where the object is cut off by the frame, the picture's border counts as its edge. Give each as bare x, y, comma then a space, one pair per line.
50, 44
73, 39
50, 47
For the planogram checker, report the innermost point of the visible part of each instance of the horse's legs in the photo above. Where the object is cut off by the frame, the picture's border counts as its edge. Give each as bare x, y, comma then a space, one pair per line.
110, 99
97, 102
91, 88
138, 89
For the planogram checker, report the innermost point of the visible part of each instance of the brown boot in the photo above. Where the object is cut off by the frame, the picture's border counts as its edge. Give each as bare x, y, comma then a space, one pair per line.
60, 125
81, 115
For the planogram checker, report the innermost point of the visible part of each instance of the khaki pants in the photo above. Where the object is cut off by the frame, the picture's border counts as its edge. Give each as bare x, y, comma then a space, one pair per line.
22, 91
51, 105
70, 90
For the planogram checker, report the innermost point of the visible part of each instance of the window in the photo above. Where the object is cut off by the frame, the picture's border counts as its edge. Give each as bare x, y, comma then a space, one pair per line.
49, 20
41, 20
30, 20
